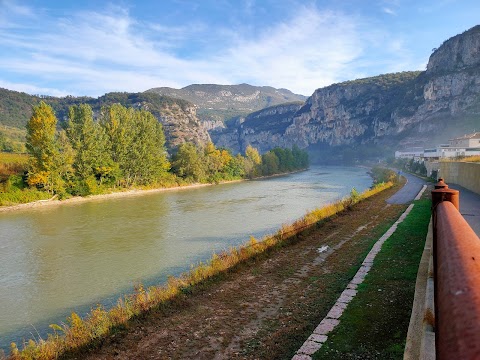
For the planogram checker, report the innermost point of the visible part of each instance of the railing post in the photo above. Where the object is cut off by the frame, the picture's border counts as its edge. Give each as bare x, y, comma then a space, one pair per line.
440, 194
443, 193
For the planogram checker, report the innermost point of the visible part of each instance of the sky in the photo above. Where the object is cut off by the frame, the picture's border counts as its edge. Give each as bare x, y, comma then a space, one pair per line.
91, 47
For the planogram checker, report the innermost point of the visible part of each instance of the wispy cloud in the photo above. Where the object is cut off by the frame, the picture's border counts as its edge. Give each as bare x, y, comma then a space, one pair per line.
31, 89
389, 11
90, 53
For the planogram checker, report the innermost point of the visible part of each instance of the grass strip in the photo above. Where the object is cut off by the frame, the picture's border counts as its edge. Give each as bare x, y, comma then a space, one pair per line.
375, 324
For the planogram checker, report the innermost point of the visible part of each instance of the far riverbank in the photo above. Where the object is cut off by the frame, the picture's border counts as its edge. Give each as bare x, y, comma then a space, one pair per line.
126, 193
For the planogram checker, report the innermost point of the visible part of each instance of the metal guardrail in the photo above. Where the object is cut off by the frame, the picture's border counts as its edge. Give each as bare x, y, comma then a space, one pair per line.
456, 254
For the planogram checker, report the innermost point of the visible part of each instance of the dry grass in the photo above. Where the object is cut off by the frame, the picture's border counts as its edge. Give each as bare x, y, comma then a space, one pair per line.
475, 158
471, 159
12, 164
78, 333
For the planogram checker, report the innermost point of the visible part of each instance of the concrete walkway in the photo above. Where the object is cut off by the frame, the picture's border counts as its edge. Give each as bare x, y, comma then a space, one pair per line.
469, 207
409, 191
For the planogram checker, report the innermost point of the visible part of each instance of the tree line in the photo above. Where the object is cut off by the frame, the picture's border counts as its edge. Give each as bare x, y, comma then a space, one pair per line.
125, 147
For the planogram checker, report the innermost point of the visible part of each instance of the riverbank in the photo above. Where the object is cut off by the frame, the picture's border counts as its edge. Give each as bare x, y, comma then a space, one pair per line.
125, 193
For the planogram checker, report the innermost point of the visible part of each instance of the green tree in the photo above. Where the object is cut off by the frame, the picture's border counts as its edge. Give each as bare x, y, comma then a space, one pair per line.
42, 146
136, 143
66, 157
118, 122
270, 163
300, 158
189, 163
235, 168
148, 157
88, 139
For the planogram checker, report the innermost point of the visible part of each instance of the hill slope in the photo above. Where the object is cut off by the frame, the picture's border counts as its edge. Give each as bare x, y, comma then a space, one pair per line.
218, 103
178, 116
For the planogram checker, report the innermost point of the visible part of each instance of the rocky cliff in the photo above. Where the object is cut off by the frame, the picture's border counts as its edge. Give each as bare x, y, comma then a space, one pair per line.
392, 110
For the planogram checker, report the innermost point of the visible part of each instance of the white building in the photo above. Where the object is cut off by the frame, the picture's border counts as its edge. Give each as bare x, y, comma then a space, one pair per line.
466, 141
464, 146
414, 153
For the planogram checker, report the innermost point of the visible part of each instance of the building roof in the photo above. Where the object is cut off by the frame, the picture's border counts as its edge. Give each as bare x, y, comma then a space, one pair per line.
475, 135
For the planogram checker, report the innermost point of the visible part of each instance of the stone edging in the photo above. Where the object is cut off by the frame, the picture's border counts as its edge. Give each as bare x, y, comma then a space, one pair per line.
419, 195
320, 334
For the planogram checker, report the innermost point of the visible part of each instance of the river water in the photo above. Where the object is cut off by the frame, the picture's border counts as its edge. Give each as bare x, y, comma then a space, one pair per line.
59, 259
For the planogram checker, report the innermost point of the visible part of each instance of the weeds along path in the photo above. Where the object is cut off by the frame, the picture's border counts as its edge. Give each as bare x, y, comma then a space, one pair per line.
264, 308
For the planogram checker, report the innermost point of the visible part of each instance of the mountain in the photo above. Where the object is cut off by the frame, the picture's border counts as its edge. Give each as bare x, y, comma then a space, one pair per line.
219, 103
178, 117
376, 114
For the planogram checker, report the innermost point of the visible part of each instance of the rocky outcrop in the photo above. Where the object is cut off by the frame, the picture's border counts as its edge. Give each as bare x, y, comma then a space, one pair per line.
263, 129
392, 110
457, 53
181, 124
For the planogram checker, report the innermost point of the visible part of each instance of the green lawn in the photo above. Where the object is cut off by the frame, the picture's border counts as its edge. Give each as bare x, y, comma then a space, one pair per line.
375, 324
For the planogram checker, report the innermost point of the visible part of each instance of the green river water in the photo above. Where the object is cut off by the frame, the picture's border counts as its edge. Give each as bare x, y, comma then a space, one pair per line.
59, 259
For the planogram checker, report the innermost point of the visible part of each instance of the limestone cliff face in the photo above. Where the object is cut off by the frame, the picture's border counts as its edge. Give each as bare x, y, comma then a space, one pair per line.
402, 109
459, 52
181, 124
263, 129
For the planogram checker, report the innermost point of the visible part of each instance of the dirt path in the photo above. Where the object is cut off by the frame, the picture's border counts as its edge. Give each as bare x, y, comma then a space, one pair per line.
265, 308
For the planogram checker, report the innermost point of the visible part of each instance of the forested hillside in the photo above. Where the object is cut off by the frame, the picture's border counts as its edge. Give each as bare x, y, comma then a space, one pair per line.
177, 116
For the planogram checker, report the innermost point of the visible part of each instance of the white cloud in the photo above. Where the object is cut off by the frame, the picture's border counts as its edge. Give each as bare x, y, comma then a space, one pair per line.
11, 8
91, 53
389, 11
310, 50
31, 89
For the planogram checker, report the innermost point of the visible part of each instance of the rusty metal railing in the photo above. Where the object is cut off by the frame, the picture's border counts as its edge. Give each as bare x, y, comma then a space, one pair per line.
456, 253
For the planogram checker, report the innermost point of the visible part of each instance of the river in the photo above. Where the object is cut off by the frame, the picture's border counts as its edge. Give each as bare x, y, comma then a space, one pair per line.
59, 259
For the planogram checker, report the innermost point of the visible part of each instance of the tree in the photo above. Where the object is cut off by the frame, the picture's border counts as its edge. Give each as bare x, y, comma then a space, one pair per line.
88, 139
253, 161
252, 154
136, 143
118, 123
270, 163
42, 146
235, 167
188, 162
148, 157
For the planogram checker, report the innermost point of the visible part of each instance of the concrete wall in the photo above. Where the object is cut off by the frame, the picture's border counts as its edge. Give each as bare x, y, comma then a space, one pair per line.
462, 173
431, 166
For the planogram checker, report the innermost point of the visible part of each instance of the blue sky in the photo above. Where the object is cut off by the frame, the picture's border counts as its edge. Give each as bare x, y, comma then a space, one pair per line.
92, 47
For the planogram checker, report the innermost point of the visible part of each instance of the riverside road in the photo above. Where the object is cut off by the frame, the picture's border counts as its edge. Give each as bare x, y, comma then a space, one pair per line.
407, 194
469, 207
469, 201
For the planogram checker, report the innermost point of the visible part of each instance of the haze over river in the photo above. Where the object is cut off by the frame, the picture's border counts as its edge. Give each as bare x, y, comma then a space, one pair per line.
70, 257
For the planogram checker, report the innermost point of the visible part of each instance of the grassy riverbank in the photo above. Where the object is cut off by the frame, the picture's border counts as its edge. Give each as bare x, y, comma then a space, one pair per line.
31, 198
80, 334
